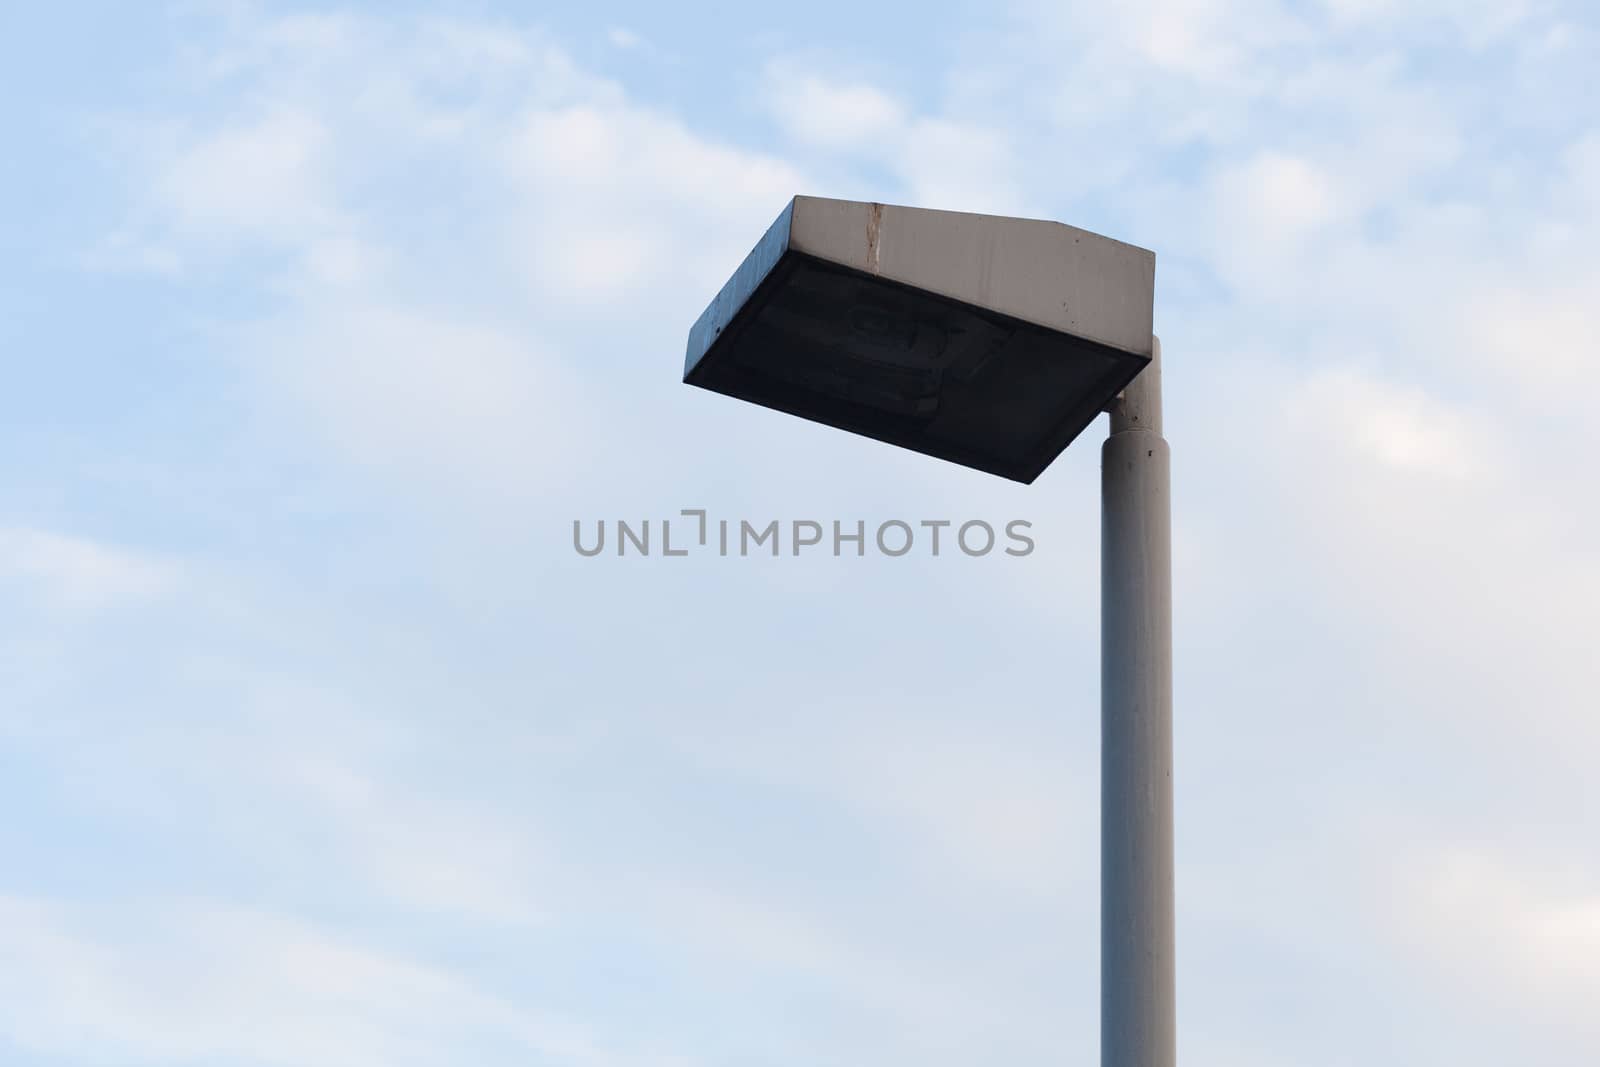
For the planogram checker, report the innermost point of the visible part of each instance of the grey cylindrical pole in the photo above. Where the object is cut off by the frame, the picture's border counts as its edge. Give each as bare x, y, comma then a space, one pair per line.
1137, 1001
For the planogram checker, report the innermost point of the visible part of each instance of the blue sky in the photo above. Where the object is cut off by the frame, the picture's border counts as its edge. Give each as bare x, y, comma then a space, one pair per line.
320, 745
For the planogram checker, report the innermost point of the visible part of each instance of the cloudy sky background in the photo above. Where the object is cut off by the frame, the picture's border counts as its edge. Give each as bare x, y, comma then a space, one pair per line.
320, 745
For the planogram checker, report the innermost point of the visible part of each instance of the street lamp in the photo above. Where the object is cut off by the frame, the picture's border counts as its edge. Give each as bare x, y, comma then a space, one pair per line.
993, 342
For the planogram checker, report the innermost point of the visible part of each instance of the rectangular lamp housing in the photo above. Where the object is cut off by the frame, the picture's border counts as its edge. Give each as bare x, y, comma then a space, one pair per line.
983, 340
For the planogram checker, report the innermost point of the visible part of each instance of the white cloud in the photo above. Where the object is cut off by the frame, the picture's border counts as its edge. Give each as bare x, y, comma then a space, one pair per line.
1540, 337
977, 807
194, 982
816, 111
625, 39
1003, 816
1477, 23
938, 1014
429, 855
266, 179
1206, 40
408, 393
618, 199
1389, 241
541, 191
76, 573
1277, 198
1406, 431
940, 161
959, 166
1510, 934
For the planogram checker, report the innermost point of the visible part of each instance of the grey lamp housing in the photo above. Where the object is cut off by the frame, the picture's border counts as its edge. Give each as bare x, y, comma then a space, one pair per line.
984, 340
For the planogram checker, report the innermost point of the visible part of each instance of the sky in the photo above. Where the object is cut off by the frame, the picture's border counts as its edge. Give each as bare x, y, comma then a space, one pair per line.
320, 744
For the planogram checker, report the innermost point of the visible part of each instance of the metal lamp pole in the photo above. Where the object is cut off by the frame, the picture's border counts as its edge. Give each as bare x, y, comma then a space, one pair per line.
993, 342
1137, 999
